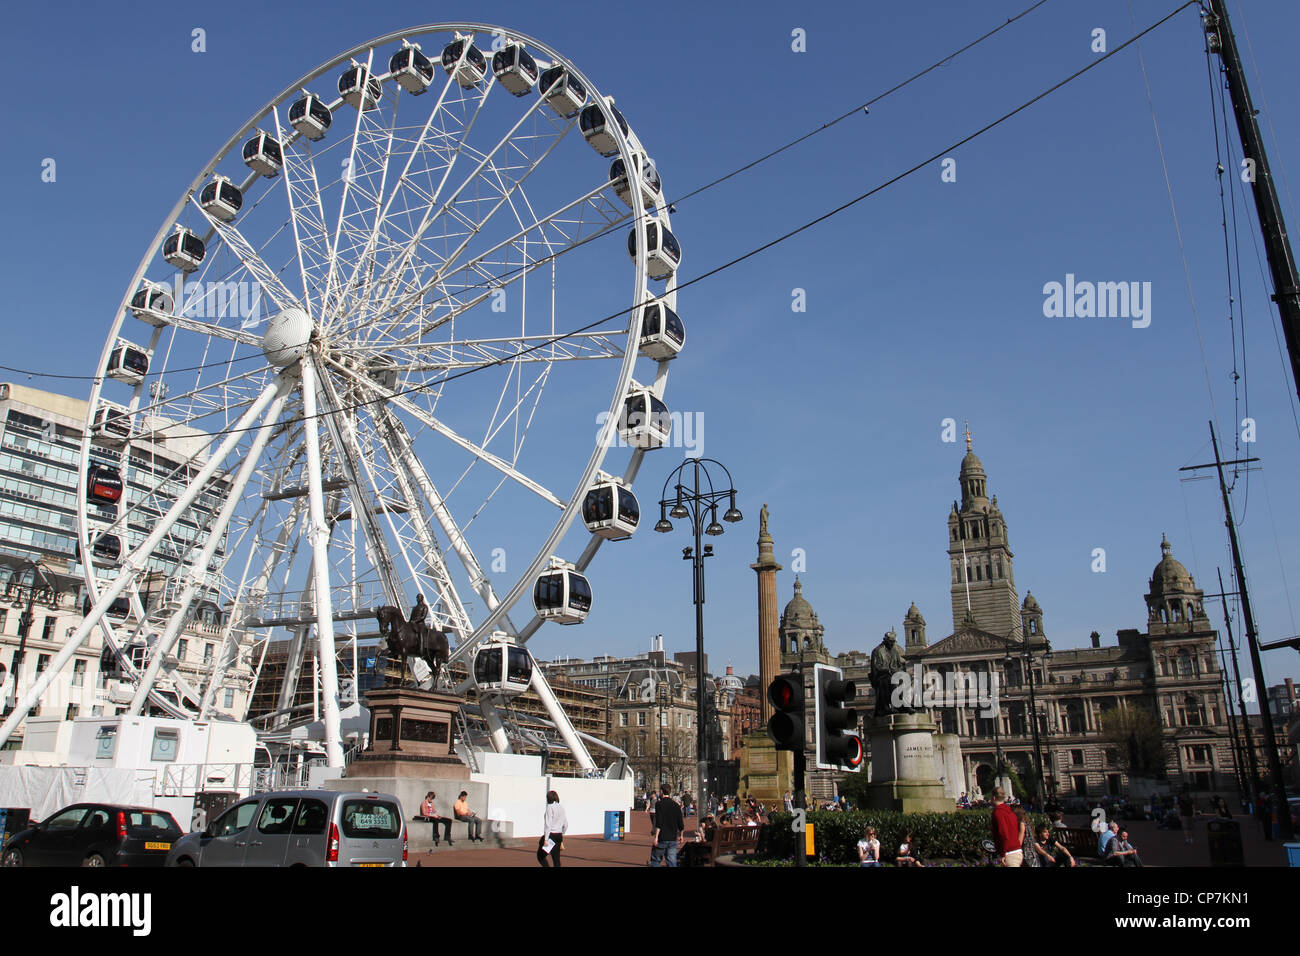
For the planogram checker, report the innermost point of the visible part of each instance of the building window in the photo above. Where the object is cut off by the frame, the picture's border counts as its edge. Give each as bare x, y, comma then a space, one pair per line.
47, 631
4, 617
207, 653
73, 710
622, 720
1111, 757
182, 649
42, 662
229, 698
1184, 664
640, 718
78, 674
1076, 758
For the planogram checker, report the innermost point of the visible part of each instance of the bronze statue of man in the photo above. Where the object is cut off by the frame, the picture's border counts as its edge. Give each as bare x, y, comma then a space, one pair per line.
419, 619
886, 661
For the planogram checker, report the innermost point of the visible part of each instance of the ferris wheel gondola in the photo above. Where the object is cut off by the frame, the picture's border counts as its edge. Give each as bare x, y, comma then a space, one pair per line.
610, 510
562, 594
596, 131
662, 331
221, 199
411, 69
111, 424
502, 667
663, 253
562, 91
128, 363
464, 63
152, 303
183, 250
310, 116
359, 88
263, 154
515, 69
650, 186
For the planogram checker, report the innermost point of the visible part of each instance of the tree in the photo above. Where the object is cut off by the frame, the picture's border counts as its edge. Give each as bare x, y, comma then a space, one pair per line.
1138, 739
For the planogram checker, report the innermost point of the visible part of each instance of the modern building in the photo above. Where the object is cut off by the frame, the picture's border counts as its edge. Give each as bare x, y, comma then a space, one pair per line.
40, 462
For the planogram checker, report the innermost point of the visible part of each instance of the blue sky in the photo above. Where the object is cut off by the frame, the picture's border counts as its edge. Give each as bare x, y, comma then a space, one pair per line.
923, 303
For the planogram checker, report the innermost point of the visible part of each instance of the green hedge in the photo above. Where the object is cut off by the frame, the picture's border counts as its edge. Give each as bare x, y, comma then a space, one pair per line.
949, 836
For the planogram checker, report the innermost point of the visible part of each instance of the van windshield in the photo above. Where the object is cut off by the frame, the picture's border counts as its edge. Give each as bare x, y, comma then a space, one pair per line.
371, 819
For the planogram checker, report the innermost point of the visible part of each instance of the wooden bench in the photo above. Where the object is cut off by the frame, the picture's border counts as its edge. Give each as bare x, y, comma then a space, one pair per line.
736, 841
1080, 841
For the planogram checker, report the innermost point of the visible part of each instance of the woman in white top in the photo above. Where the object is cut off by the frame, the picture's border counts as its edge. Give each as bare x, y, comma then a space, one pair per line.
554, 826
869, 849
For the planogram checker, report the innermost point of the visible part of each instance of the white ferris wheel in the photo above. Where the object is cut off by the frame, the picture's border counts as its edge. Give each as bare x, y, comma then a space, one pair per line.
344, 371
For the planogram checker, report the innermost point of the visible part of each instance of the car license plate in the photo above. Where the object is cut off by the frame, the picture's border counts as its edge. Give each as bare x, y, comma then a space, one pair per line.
370, 864
157, 846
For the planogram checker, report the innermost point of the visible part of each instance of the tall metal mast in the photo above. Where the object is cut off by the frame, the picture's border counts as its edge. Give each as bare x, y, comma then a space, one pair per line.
1281, 262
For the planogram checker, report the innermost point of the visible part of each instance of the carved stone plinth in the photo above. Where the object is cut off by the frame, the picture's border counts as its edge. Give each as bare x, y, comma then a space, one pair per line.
410, 735
904, 773
765, 772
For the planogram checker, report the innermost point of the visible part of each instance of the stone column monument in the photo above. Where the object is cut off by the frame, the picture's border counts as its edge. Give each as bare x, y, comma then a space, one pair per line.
765, 772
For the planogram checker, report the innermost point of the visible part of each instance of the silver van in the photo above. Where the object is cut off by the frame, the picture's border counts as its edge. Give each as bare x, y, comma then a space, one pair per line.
300, 828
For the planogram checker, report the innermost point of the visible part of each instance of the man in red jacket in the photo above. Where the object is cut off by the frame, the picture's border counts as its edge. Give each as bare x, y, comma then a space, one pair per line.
1006, 831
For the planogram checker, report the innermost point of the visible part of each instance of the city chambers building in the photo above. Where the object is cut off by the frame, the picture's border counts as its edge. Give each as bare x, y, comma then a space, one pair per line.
1169, 669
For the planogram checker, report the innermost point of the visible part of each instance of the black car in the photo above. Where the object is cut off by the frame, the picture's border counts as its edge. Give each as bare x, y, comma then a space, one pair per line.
95, 834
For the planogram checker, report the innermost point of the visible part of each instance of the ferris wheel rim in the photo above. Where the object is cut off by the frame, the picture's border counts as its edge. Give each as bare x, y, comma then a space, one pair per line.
641, 295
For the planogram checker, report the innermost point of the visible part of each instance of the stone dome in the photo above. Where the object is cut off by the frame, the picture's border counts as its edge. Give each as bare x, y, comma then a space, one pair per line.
1169, 576
914, 614
971, 465
1031, 603
798, 613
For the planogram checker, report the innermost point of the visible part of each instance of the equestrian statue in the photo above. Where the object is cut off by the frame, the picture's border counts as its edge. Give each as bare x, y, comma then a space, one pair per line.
413, 637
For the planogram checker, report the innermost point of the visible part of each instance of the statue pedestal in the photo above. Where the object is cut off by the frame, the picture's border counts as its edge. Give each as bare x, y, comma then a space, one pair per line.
410, 735
765, 772
904, 775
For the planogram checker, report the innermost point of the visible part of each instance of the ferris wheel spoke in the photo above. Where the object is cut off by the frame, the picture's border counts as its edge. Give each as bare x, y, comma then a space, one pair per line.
355, 465
403, 450
319, 535
446, 210
267, 278
428, 420
310, 232
196, 571
503, 264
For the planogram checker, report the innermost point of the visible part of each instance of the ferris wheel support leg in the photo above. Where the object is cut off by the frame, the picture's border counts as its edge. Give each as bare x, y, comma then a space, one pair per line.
134, 564
320, 535
561, 720
496, 728
216, 534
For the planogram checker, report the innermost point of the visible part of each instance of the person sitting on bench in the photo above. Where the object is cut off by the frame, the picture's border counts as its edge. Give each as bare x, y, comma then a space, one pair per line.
469, 817
429, 813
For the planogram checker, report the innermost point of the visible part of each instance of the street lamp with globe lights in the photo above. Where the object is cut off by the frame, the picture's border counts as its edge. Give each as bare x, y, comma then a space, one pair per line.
698, 499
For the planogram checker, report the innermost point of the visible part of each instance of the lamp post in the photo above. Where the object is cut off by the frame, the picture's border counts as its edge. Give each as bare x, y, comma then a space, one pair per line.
25, 621
1026, 657
698, 504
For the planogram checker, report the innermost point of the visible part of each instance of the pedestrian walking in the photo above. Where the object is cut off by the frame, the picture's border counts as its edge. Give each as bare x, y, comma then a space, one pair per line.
1186, 815
555, 824
1264, 813
669, 825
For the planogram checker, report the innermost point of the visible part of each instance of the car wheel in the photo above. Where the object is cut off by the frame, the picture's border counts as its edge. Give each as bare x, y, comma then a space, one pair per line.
95, 859
185, 861
12, 857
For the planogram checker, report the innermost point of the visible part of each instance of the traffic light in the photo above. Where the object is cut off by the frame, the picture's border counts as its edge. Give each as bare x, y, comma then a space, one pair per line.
785, 726
837, 744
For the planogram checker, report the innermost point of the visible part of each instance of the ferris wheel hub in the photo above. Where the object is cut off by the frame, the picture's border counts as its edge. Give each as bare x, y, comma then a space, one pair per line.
288, 337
